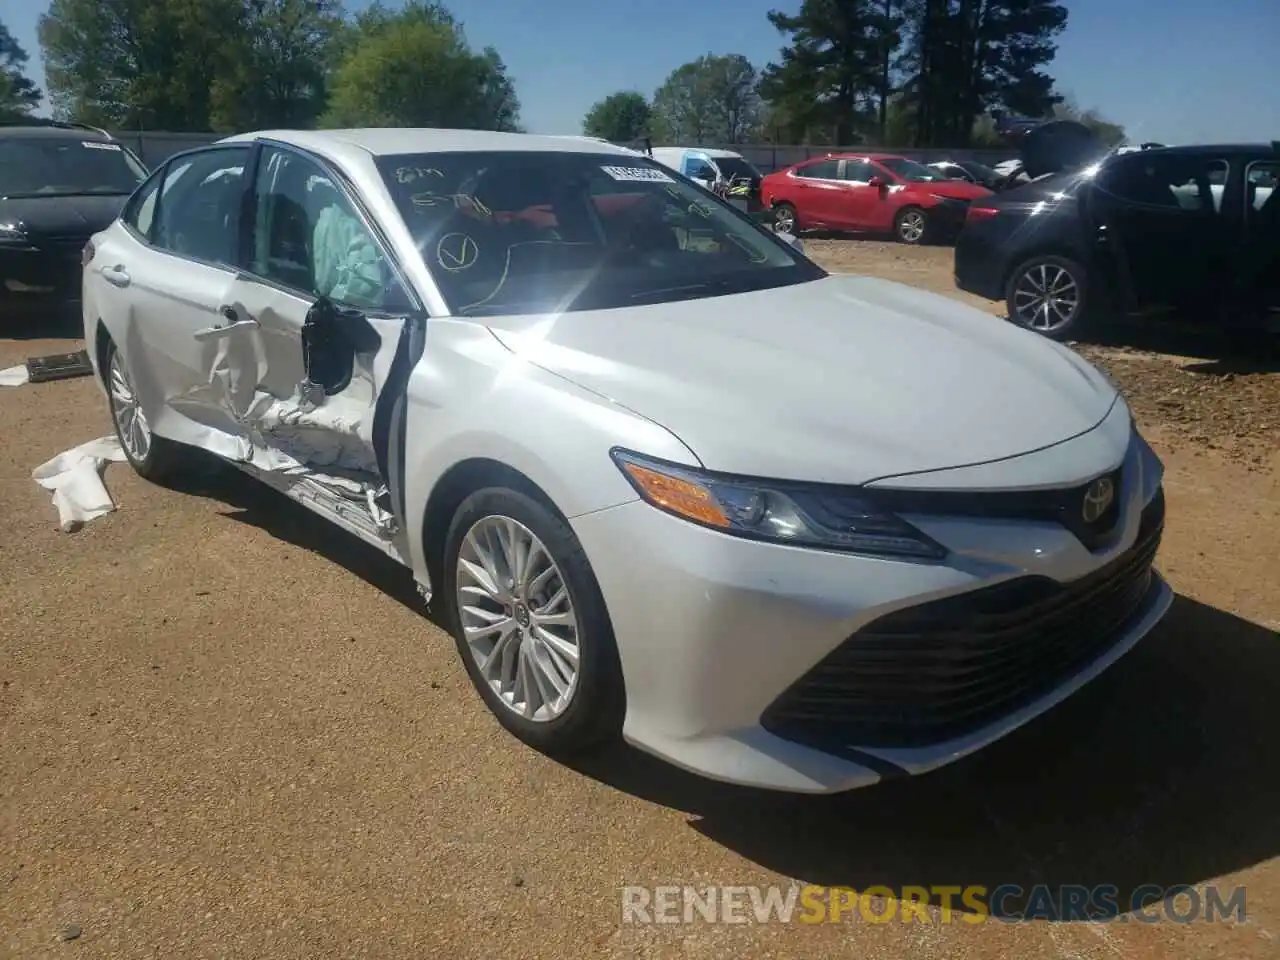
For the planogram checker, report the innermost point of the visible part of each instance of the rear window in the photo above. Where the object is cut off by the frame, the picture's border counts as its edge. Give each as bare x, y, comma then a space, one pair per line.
62, 166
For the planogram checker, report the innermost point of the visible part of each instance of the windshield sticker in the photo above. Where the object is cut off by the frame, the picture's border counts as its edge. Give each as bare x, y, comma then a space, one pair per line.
638, 174
456, 252
97, 145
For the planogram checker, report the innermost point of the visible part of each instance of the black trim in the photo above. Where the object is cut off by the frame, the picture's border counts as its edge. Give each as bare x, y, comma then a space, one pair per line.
391, 409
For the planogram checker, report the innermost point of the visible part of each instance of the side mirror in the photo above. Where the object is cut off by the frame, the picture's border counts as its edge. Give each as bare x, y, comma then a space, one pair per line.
332, 335
877, 183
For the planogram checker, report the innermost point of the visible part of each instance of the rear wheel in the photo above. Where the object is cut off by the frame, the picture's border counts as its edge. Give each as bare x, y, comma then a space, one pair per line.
911, 225
785, 219
153, 458
1048, 294
530, 622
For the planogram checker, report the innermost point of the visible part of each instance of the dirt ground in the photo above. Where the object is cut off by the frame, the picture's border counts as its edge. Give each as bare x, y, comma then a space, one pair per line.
225, 732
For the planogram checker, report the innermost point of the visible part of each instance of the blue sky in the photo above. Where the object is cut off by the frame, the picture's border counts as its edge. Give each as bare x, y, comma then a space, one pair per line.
1176, 71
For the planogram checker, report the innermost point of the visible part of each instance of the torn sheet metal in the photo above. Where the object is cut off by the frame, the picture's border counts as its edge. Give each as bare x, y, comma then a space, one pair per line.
75, 478
15, 376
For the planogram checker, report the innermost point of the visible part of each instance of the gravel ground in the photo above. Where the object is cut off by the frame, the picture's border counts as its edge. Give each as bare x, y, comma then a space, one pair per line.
225, 732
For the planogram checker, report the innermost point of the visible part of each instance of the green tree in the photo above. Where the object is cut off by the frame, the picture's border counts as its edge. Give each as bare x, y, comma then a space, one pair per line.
834, 73
133, 63
281, 65
714, 99
413, 67
18, 95
1111, 134
620, 117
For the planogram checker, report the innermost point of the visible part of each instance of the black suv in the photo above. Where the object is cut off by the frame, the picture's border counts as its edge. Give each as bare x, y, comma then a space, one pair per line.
60, 183
1188, 233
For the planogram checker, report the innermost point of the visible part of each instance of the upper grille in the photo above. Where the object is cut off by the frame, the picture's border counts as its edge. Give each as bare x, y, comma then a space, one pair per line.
930, 673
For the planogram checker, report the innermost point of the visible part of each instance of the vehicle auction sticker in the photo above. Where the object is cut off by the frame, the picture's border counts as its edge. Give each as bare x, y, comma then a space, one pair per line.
98, 145
638, 174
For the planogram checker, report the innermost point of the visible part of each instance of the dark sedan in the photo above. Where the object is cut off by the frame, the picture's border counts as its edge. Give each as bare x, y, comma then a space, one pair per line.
59, 185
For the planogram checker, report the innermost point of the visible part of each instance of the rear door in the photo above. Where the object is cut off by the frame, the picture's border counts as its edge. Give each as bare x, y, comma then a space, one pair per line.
817, 192
1162, 219
160, 275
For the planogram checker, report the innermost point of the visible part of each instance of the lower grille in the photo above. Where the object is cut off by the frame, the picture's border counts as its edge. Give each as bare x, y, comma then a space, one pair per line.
930, 673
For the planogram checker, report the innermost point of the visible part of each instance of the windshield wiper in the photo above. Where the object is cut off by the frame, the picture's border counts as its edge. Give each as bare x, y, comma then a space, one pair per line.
668, 292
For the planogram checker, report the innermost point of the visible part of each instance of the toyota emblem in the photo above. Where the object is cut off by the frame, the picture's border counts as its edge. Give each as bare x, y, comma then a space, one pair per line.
1097, 498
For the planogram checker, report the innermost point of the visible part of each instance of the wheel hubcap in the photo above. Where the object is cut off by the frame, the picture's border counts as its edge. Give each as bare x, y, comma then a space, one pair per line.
911, 228
785, 221
518, 619
1046, 297
135, 432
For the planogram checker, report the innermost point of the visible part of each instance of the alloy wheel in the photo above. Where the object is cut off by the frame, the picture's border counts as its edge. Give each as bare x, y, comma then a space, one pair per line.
784, 220
1046, 297
911, 226
517, 618
135, 432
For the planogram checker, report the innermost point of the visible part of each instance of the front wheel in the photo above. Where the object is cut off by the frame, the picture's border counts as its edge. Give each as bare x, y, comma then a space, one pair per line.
530, 623
1048, 294
911, 225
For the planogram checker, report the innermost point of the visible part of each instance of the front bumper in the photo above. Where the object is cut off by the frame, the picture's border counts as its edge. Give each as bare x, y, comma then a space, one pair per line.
715, 633
36, 280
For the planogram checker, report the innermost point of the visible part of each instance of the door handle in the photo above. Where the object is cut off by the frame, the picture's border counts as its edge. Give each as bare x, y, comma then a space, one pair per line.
116, 276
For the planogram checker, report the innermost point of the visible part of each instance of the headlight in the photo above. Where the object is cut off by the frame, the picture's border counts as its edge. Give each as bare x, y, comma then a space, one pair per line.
802, 515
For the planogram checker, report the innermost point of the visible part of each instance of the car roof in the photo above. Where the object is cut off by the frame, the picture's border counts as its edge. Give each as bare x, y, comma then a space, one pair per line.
29, 131
392, 141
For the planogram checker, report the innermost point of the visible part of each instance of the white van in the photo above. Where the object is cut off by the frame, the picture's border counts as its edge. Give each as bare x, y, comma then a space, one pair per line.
713, 169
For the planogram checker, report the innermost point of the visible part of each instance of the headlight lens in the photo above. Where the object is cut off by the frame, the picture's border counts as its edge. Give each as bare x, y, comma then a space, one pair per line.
778, 511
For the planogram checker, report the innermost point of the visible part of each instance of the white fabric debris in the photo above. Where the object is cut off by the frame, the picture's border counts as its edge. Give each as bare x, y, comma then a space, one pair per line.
14, 376
75, 477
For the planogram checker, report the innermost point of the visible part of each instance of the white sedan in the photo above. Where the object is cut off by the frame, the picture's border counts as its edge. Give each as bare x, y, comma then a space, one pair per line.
663, 476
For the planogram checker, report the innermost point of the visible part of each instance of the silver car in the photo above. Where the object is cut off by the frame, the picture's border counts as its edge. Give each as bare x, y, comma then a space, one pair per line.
663, 476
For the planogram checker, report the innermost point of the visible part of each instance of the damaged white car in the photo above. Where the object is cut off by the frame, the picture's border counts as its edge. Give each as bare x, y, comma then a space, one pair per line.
663, 475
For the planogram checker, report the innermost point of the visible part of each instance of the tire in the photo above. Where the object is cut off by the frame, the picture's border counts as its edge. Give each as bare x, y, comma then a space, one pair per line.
1060, 273
592, 711
786, 212
152, 458
912, 226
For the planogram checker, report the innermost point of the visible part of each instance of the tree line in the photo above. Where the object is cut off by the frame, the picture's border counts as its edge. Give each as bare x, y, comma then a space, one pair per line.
903, 72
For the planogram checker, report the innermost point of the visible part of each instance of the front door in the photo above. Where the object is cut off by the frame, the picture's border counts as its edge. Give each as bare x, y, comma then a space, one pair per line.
1163, 220
866, 206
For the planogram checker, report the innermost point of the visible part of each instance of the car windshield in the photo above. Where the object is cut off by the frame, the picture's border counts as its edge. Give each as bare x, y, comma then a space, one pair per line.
910, 170
545, 232
737, 168
61, 166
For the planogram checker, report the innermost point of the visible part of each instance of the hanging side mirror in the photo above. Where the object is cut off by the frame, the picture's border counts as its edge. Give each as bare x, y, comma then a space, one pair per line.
332, 335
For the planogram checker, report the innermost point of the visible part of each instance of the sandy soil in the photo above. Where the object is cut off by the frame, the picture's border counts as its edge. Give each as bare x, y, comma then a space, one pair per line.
225, 732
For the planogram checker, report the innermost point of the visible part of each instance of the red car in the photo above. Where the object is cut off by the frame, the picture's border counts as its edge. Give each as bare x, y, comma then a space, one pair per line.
869, 192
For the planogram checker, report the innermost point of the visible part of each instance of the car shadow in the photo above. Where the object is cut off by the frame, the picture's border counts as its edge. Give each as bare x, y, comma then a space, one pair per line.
1241, 355
255, 504
54, 325
1165, 770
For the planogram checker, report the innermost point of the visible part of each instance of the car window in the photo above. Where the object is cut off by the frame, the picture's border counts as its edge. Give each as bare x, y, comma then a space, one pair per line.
198, 211
140, 212
701, 170
1262, 183
1169, 181
55, 166
542, 231
822, 170
859, 171
308, 236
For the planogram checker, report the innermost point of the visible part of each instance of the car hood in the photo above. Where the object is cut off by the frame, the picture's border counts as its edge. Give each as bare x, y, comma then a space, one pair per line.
62, 216
839, 380
956, 189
